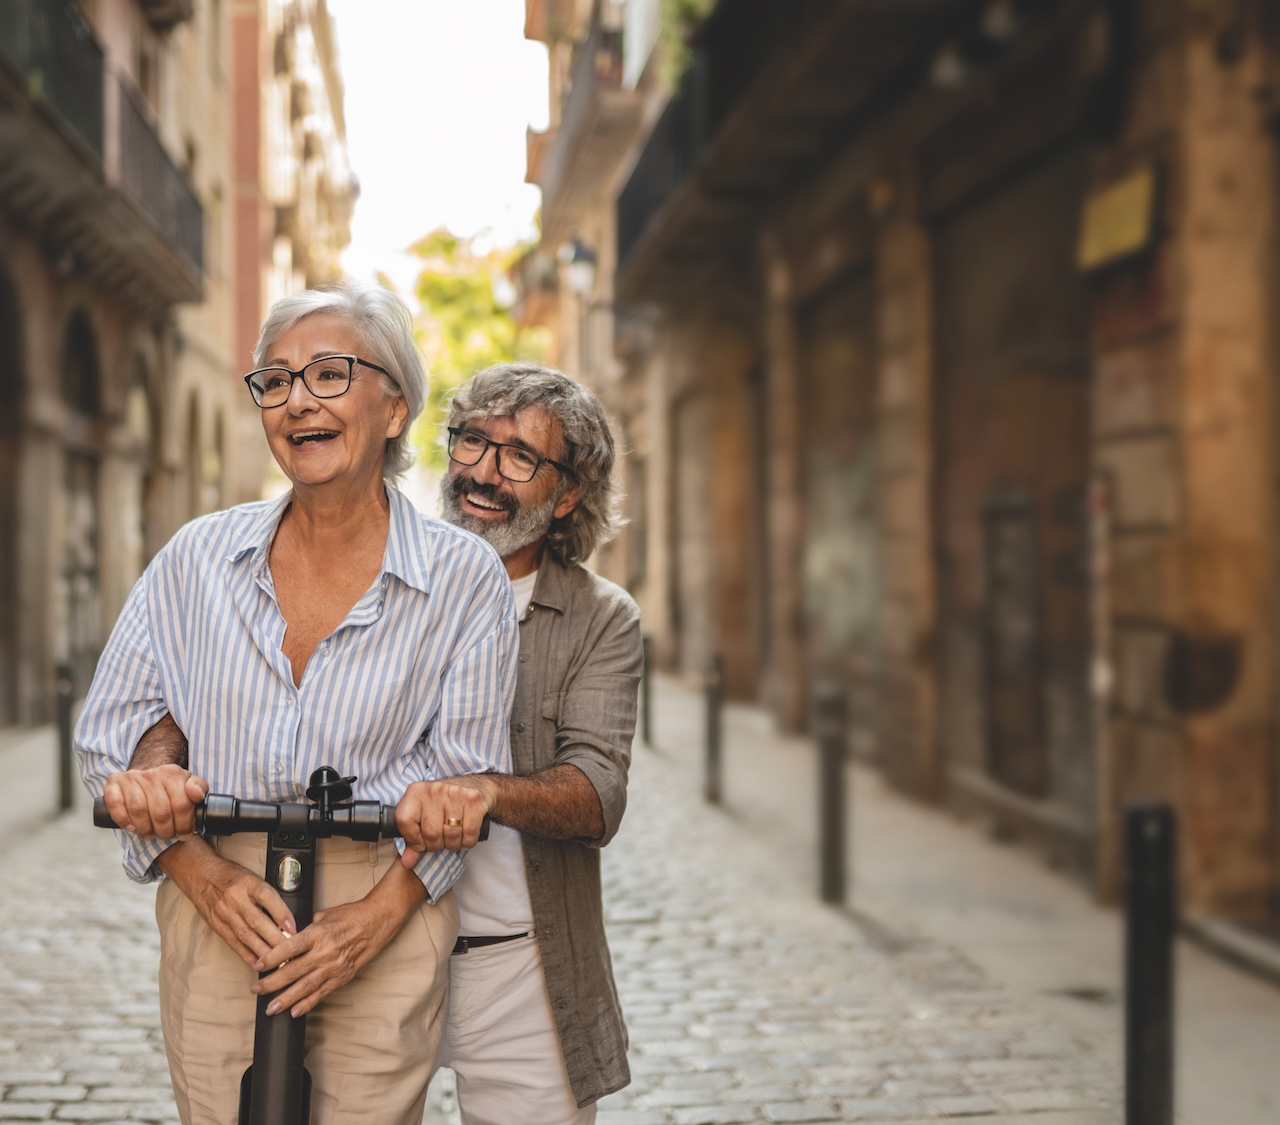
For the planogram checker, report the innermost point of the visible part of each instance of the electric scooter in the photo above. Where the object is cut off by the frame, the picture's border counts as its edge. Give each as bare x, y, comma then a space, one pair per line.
276, 1089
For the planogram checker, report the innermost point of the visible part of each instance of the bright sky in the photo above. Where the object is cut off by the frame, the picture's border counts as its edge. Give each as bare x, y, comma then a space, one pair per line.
438, 96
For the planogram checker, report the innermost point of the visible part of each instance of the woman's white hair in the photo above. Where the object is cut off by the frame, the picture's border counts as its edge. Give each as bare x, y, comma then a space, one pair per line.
385, 327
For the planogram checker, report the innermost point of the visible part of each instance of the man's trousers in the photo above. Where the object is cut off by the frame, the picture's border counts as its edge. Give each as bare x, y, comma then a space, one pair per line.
502, 1041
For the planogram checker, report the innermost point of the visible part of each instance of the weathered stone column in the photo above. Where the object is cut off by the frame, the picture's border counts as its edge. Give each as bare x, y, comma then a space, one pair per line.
785, 678
1220, 668
904, 411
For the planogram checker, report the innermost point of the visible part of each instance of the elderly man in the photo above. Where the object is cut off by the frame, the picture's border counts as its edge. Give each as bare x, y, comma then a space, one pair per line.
534, 1029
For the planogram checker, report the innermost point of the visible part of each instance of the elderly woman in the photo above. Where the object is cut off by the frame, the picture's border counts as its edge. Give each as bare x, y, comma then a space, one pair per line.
333, 626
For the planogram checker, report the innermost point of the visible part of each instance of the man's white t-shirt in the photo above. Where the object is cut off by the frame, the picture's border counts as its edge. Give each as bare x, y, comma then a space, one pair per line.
493, 894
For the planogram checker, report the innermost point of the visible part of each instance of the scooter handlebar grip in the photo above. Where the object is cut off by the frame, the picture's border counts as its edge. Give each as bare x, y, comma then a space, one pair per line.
390, 831
102, 818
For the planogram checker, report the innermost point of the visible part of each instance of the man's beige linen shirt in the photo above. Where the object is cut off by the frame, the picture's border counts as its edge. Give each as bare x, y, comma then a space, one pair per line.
575, 702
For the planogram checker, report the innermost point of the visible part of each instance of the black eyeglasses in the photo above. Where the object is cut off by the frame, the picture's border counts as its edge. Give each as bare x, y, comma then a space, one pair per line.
512, 461
327, 377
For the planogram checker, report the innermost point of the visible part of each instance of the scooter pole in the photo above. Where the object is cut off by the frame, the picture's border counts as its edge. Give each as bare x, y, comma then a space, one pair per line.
276, 1089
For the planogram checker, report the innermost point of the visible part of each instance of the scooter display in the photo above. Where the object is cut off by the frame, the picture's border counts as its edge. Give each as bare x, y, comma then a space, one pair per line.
276, 1089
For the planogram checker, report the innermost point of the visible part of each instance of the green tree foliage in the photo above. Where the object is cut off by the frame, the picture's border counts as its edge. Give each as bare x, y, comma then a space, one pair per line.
679, 19
465, 322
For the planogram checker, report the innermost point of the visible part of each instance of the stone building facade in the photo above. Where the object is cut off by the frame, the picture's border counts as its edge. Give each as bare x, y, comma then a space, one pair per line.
599, 92
121, 263
963, 399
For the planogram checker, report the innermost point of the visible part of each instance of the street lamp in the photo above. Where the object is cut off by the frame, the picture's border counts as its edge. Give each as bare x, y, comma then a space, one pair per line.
581, 262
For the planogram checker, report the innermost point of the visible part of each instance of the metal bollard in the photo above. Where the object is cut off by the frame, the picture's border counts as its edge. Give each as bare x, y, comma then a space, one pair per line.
1150, 916
63, 691
831, 726
714, 716
646, 693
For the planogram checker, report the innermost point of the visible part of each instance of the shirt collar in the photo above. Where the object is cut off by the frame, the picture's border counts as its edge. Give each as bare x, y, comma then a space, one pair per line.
551, 591
410, 552
408, 555
258, 531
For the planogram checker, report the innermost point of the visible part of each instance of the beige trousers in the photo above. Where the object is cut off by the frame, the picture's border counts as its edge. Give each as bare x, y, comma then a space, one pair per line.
502, 1043
370, 1045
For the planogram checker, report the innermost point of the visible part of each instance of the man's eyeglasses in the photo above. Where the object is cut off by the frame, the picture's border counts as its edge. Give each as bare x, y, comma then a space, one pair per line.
512, 461
327, 377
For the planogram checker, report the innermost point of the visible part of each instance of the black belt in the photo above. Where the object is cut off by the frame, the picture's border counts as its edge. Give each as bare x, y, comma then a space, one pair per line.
465, 943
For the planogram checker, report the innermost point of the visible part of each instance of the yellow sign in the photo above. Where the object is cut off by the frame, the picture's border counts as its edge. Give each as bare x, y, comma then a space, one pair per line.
1118, 220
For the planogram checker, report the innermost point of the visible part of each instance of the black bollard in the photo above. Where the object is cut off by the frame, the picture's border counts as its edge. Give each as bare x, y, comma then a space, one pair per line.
831, 727
1150, 916
646, 693
714, 715
63, 690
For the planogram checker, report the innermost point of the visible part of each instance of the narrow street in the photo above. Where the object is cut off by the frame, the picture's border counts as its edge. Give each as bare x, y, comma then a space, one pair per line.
749, 1001
975, 985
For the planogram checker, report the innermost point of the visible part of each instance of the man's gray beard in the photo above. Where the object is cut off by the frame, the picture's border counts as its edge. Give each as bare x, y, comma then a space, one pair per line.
522, 527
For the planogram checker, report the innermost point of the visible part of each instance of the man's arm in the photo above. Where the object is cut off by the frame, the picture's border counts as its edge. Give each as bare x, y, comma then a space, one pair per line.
156, 796
163, 745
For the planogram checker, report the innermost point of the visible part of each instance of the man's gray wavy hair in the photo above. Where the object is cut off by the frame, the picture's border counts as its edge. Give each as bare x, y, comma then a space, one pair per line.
385, 327
504, 390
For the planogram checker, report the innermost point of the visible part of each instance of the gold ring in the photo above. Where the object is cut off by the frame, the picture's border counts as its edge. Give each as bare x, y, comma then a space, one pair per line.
453, 822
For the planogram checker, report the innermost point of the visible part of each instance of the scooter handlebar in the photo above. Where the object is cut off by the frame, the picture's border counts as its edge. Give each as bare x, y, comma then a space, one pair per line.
222, 807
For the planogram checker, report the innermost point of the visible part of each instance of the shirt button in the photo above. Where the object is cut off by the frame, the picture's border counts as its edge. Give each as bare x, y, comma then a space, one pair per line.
289, 702
524, 659
520, 727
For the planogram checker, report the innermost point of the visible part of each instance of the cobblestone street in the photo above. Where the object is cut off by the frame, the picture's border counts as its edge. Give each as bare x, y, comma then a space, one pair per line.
79, 1027
746, 999
750, 1002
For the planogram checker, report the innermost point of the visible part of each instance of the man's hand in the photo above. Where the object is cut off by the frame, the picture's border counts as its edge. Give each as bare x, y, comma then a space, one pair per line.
155, 802
444, 815
242, 908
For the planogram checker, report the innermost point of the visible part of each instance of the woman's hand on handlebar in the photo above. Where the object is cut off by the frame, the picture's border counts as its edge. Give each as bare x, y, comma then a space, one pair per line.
443, 815
159, 802
241, 907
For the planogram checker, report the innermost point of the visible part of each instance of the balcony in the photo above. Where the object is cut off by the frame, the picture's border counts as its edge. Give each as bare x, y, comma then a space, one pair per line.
109, 202
53, 52
152, 182
773, 90
547, 20
598, 120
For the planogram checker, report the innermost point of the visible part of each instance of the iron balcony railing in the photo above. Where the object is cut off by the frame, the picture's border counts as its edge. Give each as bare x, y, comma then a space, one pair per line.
668, 158
150, 180
51, 45
597, 65
731, 50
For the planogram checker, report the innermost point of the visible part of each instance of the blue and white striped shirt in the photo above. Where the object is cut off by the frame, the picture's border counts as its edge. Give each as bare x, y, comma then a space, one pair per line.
415, 683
